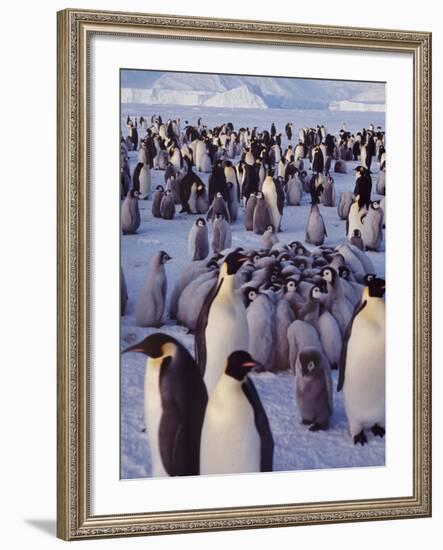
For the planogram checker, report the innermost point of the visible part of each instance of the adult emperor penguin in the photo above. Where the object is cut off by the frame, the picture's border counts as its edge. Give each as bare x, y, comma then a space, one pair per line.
198, 241
236, 436
222, 326
221, 234
167, 206
151, 300
313, 389
175, 401
362, 365
262, 217
156, 201
233, 189
315, 228
130, 219
144, 181
274, 198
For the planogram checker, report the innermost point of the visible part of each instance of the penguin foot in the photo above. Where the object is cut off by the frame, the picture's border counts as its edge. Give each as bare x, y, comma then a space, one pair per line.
378, 430
317, 427
360, 438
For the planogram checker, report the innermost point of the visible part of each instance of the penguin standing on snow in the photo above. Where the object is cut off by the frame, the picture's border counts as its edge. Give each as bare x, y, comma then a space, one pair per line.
315, 228
151, 300
223, 308
313, 389
233, 190
217, 183
262, 218
236, 436
156, 201
362, 365
260, 313
130, 218
167, 206
218, 206
221, 234
248, 219
274, 198
198, 241
356, 240
372, 232
175, 400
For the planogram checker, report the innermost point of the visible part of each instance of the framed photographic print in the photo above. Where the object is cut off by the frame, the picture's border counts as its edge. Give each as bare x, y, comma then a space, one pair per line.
243, 304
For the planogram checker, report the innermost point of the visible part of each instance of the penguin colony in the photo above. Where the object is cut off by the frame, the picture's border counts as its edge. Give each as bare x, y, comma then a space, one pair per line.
301, 307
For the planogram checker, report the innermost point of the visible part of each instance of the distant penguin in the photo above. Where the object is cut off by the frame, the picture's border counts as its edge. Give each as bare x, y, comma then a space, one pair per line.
274, 198
381, 183
202, 202
167, 206
223, 308
175, 401
336, 301
248, 219
362, 366
340, 167
262, 217
269, 238
130, 213
328, 197
156, 201
150, 303
236, 436
356, 240
315, 228
260, 313
123, 293
317, 160
313, 389
198, 242
233, 190
344, 205
372, 232
294, 191
284, 316
221, 234
218, 206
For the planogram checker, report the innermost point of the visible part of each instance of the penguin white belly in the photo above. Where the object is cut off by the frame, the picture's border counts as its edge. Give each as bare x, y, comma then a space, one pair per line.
227, 331
193, 199
364, 385
354, 219
145, 182
153, 414
271, 201
229, 442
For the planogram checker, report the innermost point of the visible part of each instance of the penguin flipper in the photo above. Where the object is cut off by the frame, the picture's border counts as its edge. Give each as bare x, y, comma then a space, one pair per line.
344, 349
202, 322
262, 425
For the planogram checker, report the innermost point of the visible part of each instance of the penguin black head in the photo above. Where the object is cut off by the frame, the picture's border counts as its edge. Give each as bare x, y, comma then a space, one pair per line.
152, 345
309, 360
291, 285
165, 257
239, 365
329, 274
200, 222
234, 261
375, 205
159, 188
376, 286
219, 216
250, 294
316, 292
270, 228
259, 195
344, 271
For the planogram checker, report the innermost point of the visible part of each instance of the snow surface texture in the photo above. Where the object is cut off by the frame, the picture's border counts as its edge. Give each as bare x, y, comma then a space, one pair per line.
249, 92
296, 448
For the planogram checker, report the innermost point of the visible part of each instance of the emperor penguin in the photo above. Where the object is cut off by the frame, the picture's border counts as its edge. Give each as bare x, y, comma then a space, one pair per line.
193, 298
294, 191
221, 234
381, 182
223, 308
218, 206
262, 217
144, 182
372, 231
150, 304
236, 436
284, 316
198, 241
274, 198
249, 212
269, 238
260, 313
156, 201
175, 400
233, 190
315, 228
336, 302
344, 204
167, 206
328, 197
313, 389
130, 216
356, 240
355, 217
362, 365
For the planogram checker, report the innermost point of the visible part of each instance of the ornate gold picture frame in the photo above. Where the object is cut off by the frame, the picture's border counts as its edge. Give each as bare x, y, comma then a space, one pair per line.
76, 28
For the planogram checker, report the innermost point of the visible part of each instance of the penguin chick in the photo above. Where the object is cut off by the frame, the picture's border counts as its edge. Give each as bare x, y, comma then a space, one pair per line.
313, 389
167, 206
315, 228
269, 238
198, 241
151, 300
260, 314
130, 220
156, 201
221, 234
356, 240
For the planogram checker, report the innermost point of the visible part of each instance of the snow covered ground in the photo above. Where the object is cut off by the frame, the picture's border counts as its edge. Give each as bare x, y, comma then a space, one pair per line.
296, 448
